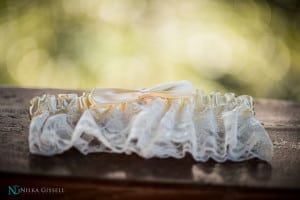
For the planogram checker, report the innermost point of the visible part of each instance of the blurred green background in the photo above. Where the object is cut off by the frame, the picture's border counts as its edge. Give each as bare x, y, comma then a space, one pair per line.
246, 47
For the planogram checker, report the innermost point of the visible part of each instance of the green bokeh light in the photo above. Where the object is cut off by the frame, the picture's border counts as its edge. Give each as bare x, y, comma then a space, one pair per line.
247, 47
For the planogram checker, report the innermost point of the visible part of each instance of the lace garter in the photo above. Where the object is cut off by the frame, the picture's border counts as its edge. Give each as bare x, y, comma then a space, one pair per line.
165, 121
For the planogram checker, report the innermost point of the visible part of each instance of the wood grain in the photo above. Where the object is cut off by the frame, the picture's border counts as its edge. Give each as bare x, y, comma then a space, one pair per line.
121, 176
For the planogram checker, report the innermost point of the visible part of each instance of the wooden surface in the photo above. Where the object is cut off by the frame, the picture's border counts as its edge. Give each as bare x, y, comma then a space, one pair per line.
111, 176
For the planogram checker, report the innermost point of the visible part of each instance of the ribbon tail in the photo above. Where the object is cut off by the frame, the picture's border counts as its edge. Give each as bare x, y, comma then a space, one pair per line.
112, 95
174, 89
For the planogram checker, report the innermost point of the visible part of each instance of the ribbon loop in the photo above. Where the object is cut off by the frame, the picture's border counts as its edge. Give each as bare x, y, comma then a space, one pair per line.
168, 90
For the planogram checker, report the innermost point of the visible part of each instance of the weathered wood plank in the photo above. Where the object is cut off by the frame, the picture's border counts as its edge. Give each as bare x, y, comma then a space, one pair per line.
281, 118
86, 189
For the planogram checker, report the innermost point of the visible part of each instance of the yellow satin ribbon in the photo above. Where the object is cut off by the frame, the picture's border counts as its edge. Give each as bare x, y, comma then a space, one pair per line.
173, 90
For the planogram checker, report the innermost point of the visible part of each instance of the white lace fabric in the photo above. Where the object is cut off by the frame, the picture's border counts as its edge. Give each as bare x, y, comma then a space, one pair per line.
166, 121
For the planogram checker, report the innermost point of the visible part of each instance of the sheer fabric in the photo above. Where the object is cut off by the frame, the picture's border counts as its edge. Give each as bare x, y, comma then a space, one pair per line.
169, 120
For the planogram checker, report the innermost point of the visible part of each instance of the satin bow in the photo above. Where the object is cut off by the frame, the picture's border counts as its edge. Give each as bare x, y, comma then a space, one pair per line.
173, 90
